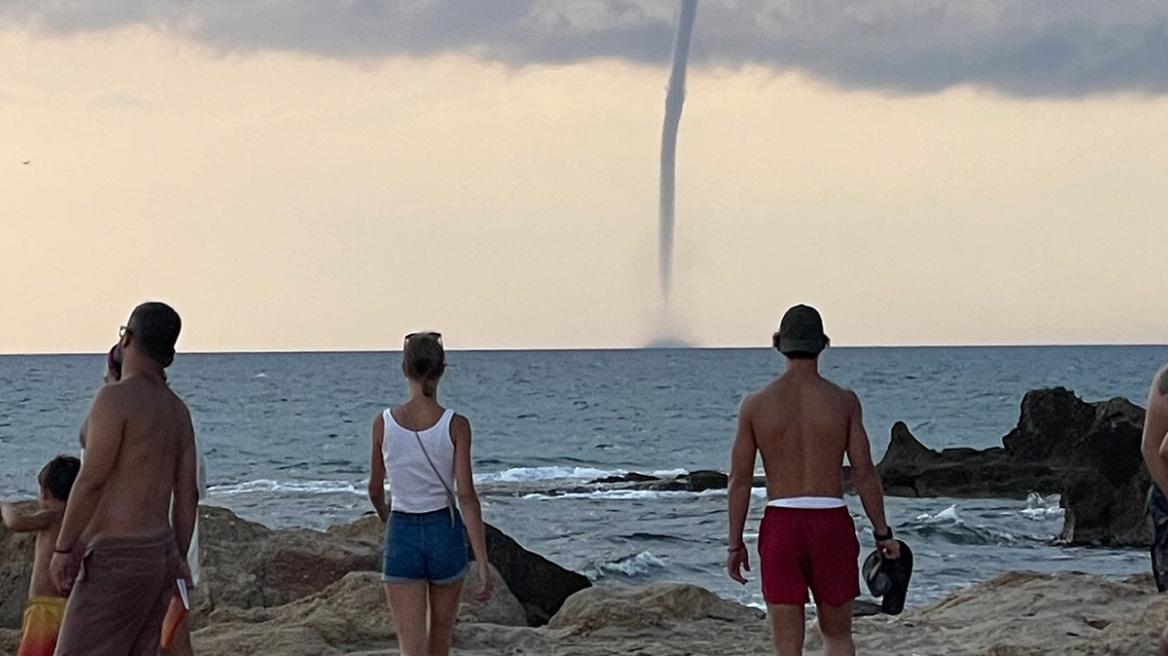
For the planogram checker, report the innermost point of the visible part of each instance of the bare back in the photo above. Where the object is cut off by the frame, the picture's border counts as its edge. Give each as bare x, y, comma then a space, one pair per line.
145, 435
802, 424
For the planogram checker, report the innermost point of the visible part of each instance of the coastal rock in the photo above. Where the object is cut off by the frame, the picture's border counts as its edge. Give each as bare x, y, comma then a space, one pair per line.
911, 469
9, 641
349, 614
1089, 453
248, 565
652, 606
540, 585
16, 556
1050, 423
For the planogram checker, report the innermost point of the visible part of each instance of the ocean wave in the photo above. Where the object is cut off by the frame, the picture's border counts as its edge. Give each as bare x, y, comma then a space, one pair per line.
560, 473
947, 525
1038, 507
516, 475
624, 495
292, 487
638, 565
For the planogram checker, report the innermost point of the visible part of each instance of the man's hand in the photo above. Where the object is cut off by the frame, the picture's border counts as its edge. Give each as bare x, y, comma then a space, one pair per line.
889, 549
486, 583
184, 573
738, 559
63, 569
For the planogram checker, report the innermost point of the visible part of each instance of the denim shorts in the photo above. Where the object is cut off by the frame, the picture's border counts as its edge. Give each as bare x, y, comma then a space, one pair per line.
425, 547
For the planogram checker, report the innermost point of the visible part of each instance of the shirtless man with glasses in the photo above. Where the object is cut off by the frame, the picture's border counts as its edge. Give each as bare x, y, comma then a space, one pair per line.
117, 551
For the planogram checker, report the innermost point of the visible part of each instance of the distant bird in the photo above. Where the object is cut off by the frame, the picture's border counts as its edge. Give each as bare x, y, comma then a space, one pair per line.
27, 162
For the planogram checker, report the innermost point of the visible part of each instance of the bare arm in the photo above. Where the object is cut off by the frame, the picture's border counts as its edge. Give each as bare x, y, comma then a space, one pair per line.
105, 432
742, 457
19, 522
1155, 438
468, 499
186, 488
105, 427
377, 470
865, 477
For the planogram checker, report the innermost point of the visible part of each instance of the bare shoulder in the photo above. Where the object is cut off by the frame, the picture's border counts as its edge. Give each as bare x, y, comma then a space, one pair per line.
459, 424
111, 398
1160, 383
751, 401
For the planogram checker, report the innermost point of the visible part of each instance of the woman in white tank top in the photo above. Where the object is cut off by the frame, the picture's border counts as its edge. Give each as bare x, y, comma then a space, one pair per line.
424, 449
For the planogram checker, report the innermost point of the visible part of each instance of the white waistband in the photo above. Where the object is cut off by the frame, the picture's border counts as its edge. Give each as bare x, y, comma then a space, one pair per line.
808, 503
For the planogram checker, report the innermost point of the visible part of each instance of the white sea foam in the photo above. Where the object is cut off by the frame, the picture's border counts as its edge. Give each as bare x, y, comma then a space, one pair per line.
1038, 507
558, 473
625, 495
517, 475
641, 564
292, 487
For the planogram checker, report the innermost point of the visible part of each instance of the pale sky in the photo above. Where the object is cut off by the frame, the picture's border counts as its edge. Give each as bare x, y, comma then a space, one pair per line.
303, 183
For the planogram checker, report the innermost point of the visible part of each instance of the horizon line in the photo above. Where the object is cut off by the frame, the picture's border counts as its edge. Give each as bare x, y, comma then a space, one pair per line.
565, 349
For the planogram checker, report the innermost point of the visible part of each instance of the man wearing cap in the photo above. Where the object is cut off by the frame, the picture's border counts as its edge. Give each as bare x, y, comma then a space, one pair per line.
802, 424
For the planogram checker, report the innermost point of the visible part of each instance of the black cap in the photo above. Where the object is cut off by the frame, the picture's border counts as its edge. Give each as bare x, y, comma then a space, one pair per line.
888, 578
801, 331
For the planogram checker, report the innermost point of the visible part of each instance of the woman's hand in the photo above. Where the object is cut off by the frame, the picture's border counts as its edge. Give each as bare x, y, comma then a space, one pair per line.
486, 582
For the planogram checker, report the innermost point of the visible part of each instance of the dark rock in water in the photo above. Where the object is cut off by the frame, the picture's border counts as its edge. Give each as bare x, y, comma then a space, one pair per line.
539, 584
911, 469
1087, 452
1105, 493
703, 479
1050, 424
631, 477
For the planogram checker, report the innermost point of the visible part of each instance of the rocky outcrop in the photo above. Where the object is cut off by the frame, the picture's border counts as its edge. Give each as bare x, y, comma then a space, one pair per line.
539, 584
1089, 453
910, 469
656, 605
247, 565
16, 555
348, 615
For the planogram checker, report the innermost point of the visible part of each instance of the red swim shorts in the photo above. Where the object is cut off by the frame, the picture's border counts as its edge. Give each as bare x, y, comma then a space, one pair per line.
817, 549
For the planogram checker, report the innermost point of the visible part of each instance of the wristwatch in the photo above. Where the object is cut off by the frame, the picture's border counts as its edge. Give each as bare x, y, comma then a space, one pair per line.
882, 538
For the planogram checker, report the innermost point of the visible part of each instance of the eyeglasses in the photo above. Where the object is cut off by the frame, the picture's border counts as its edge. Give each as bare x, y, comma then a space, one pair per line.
429, 333
123, 330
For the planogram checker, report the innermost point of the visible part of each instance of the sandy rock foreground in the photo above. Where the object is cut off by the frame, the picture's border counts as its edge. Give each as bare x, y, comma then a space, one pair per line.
307, 593
1015, 614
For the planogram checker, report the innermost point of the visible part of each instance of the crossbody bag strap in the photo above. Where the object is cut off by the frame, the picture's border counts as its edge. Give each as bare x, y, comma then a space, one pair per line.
451, 499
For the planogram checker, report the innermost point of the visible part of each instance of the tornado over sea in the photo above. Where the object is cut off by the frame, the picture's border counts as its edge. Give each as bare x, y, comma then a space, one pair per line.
674, 98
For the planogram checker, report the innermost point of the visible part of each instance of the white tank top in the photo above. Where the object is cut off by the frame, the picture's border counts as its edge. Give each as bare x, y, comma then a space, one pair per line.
414, 487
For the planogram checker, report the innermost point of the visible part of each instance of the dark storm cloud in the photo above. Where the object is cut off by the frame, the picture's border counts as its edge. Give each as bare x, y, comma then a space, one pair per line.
1019, 47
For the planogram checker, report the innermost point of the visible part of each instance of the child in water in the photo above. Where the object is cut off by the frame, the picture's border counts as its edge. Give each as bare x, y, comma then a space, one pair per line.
46, 608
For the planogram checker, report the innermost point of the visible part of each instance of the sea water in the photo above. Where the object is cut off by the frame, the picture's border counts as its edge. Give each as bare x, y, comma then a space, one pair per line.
287, 441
